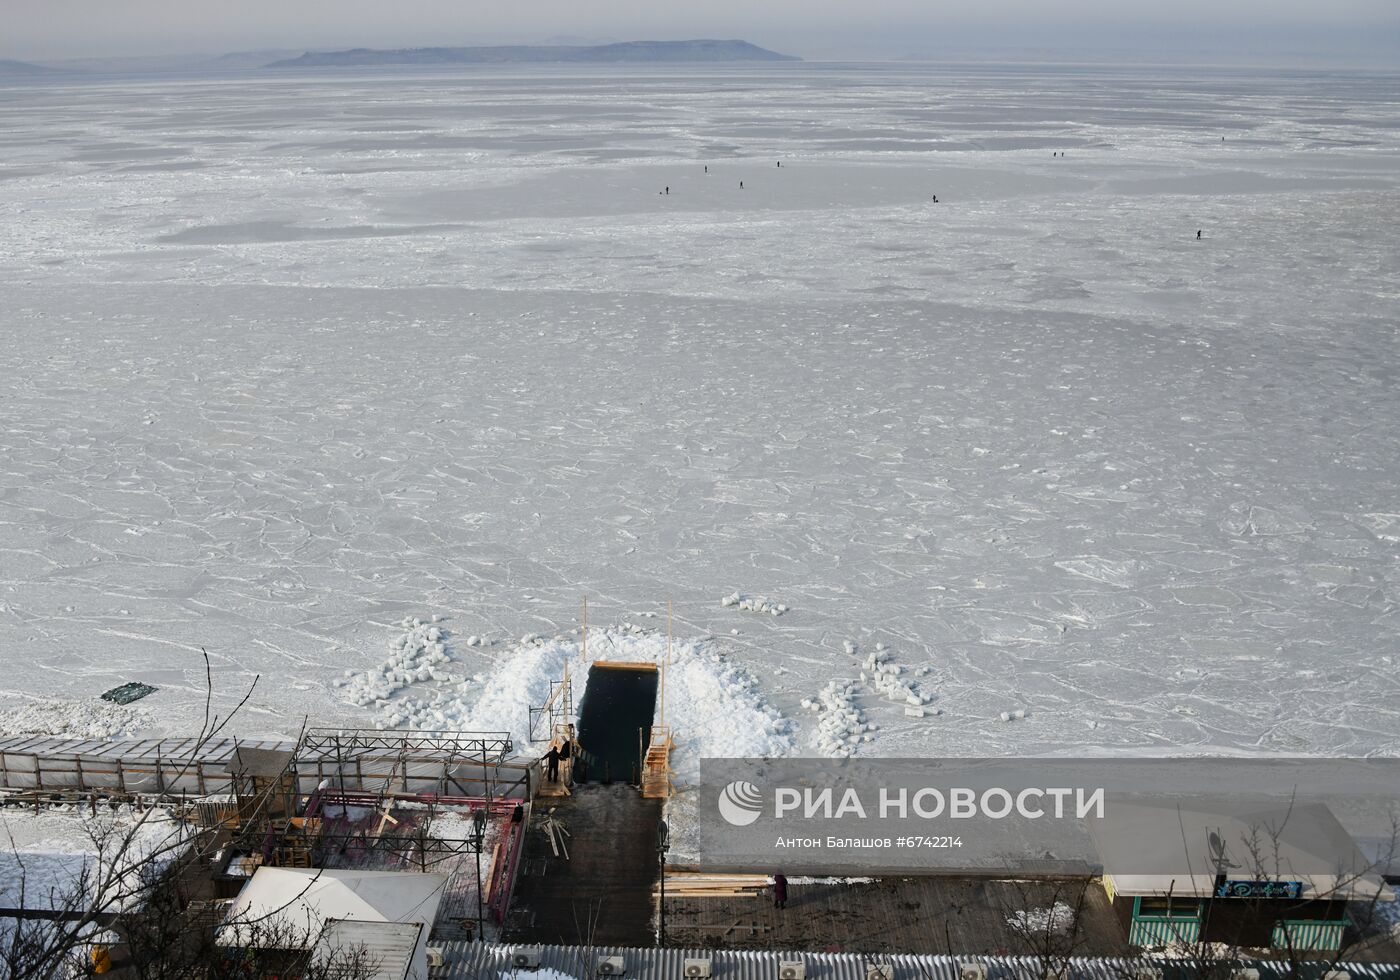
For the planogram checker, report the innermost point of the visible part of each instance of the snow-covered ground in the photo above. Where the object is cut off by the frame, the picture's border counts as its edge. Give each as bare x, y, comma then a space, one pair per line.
66, 858
288, 359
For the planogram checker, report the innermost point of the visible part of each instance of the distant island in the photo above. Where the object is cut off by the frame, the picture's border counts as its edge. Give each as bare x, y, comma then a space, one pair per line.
624, 52
8, 67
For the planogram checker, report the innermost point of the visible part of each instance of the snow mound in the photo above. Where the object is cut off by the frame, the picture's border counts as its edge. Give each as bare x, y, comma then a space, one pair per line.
543, 973
841, 724
885, 676
753, 603
416, 654
713, 706
1387, 918
75, 719
1057, 920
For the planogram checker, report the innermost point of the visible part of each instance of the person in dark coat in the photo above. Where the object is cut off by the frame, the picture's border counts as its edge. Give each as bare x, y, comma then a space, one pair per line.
779, 891
551, 760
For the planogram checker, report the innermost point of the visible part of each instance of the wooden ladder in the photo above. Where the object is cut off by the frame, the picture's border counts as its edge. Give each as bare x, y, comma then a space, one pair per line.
656, 768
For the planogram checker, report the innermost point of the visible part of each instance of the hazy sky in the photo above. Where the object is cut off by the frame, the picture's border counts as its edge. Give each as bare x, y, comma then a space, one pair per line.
39, 29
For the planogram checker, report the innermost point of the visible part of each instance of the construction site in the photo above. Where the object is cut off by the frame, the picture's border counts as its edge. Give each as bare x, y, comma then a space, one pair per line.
456, 854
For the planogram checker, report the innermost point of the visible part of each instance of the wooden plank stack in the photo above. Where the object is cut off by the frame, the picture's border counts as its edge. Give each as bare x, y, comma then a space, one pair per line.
698, 884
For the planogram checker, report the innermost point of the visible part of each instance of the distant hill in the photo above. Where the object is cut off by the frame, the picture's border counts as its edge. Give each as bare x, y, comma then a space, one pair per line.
249, 59
627, 51
8, 67
161, 63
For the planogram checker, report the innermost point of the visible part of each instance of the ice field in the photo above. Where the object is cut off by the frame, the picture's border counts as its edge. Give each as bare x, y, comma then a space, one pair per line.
288, 358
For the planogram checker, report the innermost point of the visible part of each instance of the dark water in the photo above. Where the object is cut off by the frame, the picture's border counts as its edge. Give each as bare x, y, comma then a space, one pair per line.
614, 722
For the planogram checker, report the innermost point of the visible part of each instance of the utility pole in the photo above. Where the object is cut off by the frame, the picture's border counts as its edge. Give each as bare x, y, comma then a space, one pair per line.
663, 844
479, 839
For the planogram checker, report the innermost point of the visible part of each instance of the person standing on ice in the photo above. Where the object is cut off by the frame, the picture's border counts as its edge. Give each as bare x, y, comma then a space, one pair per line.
779, 891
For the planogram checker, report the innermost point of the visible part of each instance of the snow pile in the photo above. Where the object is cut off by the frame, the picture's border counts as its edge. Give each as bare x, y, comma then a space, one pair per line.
1057, 920
543, 973
416, 654
712, 704
753, 603
718, 712
1387, 918
841, 724
885, 676
95, 719
519, 680
1204, 953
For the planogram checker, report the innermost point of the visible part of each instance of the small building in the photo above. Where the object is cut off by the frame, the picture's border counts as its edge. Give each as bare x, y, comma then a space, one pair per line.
1249, 877
315, 909
264, 781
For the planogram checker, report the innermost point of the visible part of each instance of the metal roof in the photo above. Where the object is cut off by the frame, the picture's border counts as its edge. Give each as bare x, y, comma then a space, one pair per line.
388, 948
263, 763
487, 961
145, 749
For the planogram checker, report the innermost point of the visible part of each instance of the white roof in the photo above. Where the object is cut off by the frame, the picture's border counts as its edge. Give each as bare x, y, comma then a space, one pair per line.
1153, 849
290, 907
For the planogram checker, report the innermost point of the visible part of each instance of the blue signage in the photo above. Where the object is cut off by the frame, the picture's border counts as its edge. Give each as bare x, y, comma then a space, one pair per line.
1260, 889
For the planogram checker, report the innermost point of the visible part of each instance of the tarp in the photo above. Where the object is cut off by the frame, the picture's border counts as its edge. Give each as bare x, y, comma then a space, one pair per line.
127, 693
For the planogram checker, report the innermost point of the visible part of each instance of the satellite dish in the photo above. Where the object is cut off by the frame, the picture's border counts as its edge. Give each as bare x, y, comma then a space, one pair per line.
1218, 851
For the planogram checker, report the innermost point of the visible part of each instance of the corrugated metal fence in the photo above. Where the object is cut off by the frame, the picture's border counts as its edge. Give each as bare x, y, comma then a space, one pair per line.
485, 961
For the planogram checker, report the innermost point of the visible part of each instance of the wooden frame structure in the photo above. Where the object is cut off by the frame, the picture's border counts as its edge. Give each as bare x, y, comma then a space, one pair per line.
131, 767
409, 762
